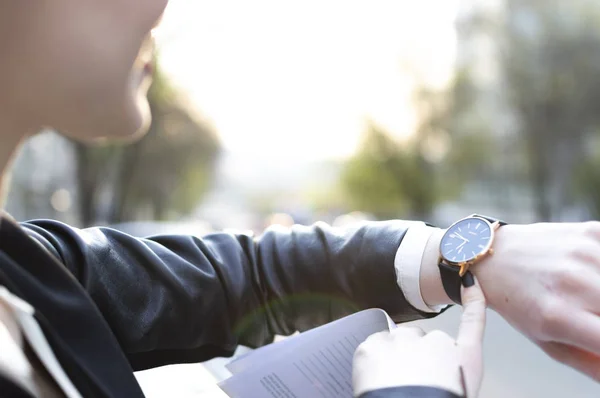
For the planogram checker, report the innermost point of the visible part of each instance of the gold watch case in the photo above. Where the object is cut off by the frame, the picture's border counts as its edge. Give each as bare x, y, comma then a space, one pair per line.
487, 251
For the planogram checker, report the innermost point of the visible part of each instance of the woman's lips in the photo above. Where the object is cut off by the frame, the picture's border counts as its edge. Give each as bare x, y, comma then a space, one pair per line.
149, 68
147, 55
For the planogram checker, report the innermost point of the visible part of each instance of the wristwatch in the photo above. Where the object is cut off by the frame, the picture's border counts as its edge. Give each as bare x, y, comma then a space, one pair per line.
464, 244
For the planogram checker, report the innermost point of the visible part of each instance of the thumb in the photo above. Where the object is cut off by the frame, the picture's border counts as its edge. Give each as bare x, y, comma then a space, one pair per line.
470, 334
472, 324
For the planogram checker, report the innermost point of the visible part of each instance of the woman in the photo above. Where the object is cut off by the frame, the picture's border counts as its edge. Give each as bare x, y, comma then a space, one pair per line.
82, 309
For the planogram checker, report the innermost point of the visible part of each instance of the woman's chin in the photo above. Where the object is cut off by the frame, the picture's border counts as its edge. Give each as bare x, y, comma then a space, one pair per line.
142, 110
133, 124
137, 122
144, 117
108, 121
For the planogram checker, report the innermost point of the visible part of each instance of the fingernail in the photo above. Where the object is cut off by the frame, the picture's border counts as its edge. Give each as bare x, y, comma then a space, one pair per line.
468, 280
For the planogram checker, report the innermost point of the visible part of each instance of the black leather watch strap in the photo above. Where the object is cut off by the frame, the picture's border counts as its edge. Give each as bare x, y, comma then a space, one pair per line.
451, 281
491, 220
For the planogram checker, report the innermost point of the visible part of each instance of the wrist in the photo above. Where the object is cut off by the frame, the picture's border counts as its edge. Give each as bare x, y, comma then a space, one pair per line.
490, 271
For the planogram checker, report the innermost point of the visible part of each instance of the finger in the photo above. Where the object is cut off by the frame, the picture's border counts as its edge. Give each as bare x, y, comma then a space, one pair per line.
470, 334
585, 362
472, 325
463, 383
408, 332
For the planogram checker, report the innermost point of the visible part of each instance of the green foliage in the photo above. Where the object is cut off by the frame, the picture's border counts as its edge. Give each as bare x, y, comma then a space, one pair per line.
450, 120
389, 180
586, 184
527, 125
327, 199
553, 89
161, 92
447, 149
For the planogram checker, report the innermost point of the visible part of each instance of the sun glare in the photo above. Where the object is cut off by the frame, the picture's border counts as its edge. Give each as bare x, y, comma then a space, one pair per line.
301, 78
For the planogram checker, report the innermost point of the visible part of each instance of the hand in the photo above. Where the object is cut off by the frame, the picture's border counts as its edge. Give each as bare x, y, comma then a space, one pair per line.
407, 356
545, 280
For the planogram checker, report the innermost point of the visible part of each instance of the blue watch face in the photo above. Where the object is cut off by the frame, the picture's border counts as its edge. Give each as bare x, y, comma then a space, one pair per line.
465, 240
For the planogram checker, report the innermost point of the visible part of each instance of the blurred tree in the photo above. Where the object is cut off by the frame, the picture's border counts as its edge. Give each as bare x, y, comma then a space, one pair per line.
376, 177
551, 63
586, 184
161, 176
391, 179
91, 164
451, 134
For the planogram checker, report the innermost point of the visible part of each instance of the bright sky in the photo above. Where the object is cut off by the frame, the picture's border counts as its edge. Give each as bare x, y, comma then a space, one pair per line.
300, 78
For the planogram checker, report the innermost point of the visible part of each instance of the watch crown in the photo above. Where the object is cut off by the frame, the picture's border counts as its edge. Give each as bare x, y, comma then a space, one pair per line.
491, 251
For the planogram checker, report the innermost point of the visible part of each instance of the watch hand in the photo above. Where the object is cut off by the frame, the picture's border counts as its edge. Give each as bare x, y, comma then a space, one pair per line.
460, 236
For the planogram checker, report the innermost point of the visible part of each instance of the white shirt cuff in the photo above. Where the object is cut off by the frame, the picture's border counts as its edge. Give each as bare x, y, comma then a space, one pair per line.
408, 265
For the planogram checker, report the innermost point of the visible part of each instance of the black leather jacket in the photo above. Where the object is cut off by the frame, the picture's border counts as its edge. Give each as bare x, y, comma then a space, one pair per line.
111, 303
410, 392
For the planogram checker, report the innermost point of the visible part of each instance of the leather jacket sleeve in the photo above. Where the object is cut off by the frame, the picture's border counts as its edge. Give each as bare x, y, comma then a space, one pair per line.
174, 299
410, 392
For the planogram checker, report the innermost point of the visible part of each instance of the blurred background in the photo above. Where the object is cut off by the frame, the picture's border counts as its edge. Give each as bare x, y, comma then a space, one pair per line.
271, 112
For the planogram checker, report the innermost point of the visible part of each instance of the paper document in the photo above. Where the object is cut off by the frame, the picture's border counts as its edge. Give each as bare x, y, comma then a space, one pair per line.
316, 363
